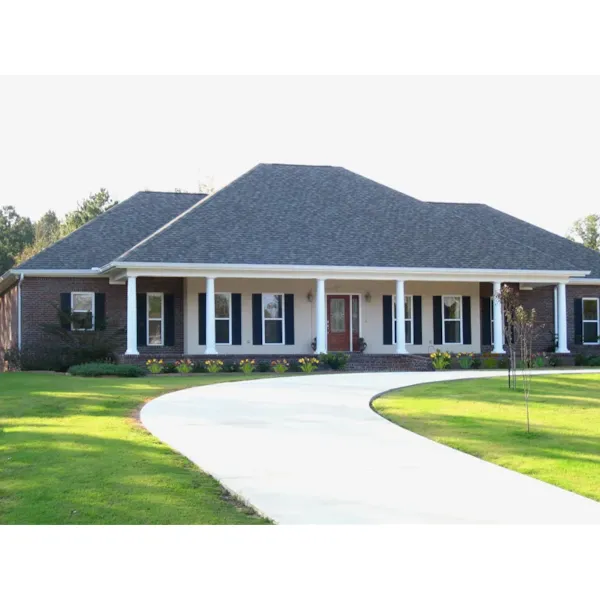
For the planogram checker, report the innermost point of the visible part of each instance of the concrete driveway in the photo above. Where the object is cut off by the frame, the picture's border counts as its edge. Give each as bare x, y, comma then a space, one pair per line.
310, 450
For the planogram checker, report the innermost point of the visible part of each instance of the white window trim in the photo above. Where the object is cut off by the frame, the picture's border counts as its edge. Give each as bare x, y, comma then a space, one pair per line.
230, 319
162, 319
282, 318
584, 321
460, 320
93, 295
412, 320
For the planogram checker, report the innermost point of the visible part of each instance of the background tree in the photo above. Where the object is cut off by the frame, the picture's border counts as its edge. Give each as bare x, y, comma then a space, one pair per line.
46, 232
207, 186
16, 233
88, 209
586, 231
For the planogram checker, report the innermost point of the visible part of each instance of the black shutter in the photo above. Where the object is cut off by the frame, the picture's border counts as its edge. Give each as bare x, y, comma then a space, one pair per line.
288, 304
100, 315
257, 338
388, 320
141, 320
236, 319
169, 309
437, 319
486, 323
202, 319
578, 316
466, 308
65, 310
417, 320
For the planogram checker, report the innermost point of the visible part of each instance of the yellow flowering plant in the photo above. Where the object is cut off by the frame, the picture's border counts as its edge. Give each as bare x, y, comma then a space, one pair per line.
214, 366
308, 364
155, 366
247, 366
184, 366
280, 366
465, 359
440, 360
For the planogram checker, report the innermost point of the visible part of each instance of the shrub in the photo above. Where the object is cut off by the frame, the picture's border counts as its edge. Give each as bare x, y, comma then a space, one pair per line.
593, 361
214, 366
465, 360
539, 360
184, 366
476, 363
263, 366
247, 366
440, 360
308, 364
100, 369
581, 360
554, 361
280, 366
154, 365
489, 362
199, 367
231, 368
334, 360
503, 363
170, 367
295, 367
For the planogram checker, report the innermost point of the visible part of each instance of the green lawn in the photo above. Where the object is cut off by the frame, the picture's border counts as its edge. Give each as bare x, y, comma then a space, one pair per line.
482, 417
72, 451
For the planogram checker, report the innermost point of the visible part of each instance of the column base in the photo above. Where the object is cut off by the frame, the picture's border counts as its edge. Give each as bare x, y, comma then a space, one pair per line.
211, 351
498, 351
401, 352
131, 353
562, 351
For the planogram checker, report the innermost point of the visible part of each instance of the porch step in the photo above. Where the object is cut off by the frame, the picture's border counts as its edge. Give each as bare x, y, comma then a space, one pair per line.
388, 362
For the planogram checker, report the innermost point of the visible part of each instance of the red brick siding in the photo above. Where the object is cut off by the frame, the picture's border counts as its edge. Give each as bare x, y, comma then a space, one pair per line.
579, 291
8, 320
41, 295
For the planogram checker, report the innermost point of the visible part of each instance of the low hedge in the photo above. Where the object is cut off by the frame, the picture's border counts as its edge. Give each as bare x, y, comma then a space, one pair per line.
100, 369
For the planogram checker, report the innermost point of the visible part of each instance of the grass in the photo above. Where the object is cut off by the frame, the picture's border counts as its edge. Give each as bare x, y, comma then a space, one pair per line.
72, 451
483, 418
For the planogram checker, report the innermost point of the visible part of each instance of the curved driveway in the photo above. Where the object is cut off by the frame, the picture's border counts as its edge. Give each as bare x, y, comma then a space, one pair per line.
310, 450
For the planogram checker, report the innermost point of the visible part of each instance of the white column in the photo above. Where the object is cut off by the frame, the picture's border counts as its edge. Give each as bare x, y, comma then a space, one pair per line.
562, 318
211, 347
132, 340
498, 320
400, 316
321, 316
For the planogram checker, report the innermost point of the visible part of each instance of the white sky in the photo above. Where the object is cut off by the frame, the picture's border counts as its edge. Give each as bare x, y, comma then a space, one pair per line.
526, 145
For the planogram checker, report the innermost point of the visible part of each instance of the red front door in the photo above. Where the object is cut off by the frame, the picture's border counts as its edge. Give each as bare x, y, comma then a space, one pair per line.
338, 323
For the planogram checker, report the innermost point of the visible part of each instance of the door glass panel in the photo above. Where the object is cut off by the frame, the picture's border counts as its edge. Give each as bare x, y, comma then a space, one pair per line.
355, 325
338, 315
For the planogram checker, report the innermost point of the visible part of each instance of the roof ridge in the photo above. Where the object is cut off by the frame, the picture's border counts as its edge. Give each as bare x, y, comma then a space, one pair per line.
181, 215
178, 193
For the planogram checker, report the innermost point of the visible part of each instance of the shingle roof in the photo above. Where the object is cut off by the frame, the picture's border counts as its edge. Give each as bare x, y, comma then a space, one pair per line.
100, 241
311, 215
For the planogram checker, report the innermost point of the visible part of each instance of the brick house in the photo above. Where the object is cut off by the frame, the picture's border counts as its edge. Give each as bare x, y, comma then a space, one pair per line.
286, 258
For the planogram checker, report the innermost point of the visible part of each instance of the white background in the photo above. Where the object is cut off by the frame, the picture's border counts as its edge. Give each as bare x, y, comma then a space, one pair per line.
528, 146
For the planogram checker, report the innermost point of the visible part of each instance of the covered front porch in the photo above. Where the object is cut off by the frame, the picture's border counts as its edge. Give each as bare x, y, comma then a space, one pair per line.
296, 314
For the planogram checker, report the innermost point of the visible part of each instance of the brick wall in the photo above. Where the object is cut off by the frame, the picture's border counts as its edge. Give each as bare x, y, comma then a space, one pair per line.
40, 296
8, 321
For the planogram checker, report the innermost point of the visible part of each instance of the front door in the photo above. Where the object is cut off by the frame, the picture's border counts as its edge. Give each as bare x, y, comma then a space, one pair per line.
338, 323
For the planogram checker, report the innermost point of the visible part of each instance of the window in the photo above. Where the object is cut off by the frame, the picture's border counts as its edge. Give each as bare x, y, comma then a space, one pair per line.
156, 313
408, 319
451, 319
223, 318
273, 318
590, 320
82, 311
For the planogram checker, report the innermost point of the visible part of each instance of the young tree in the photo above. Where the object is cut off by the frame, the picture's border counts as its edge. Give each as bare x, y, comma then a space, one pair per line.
525, 334
509, 299
16, 233
586, 231
87, 210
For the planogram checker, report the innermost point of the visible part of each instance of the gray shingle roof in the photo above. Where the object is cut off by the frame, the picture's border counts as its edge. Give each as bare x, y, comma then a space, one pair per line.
100, 241
307, 215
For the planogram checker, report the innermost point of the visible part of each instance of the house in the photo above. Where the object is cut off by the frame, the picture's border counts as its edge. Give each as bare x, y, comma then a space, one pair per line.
288, 257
